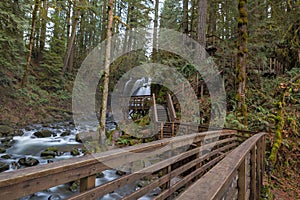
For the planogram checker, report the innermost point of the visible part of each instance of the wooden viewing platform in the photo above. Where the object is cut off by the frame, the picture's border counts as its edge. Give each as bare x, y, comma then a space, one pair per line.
213, 165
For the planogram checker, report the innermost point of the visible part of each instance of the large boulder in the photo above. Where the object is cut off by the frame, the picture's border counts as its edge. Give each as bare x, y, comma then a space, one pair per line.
28, 162
2, 150
65, 133
50, 152
3, 166
44, 134
6, 130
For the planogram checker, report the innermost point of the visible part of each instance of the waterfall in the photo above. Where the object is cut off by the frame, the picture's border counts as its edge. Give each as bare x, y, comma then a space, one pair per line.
126, 89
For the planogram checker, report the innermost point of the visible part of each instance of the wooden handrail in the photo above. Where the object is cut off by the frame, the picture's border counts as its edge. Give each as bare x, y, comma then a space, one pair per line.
154, 108
217, 183
27, 181
171, 108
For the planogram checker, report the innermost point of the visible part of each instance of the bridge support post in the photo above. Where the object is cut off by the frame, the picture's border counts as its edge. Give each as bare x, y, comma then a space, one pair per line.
259, 166
253, 155
242, 181
87, 183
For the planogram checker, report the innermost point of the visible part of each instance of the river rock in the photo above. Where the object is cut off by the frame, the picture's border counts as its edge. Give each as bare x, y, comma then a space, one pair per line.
120, 173
6, 130
3, 166
54, 197
6, 156
75, 152
18, 132
2, 150
44, 134
28, 161
65, 133
7, 139
77, 138
50, 152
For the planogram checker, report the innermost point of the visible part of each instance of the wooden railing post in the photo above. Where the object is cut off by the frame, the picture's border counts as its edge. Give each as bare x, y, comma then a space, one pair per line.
161, 130
242, 181
253, 165
87, 183
258, 168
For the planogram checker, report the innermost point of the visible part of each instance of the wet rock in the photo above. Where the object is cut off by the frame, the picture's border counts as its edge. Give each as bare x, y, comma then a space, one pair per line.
54, 197
77, 138
143, 183
3, 166
6, 130
120, 173
65, 133
28, 162
100, 175
74, 187
6, 156
2, 150
44, 134
50, 152
15, 165
18, 132
7, 139
28, 128
8, 144
75, 152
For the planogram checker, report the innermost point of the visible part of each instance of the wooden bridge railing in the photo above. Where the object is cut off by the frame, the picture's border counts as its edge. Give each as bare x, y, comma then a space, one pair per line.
170, 106
174, 164
238, 176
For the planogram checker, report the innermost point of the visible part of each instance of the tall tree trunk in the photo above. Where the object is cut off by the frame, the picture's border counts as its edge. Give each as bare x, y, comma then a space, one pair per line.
102, 130
72, 38
212, 28
186, 17
242, 59
193, 16
44, 13
155, 87
104, 19
31, 42
202, 12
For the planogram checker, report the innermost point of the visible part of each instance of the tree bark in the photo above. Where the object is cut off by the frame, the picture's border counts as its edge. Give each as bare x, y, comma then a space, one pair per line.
102, 135
242, 59
202, 12
72, 38
31, 42
43, 30
186, 17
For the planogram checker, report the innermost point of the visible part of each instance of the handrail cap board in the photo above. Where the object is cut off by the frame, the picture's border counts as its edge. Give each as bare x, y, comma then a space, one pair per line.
212, 182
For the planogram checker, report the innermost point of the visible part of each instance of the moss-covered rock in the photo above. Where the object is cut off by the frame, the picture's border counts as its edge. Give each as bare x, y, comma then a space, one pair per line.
77, 138
75, 152
44, 134
3, 166
65, 133
28, 162
6, 156
6, 130
2, 150
50, 152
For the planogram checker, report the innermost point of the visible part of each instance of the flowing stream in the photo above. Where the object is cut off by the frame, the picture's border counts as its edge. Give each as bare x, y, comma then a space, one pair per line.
28, 145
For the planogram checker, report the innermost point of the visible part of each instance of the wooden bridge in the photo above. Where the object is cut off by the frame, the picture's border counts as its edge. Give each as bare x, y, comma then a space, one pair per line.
211, 165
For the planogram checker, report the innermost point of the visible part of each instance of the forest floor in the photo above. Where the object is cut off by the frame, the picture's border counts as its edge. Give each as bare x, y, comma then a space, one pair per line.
19, 109
286, 188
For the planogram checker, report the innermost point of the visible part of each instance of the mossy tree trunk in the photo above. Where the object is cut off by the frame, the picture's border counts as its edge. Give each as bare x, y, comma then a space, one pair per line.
242, 60
31, 42
102, 130
279, 119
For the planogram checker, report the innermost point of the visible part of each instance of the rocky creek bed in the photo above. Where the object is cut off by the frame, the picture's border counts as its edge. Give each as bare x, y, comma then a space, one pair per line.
44, 143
